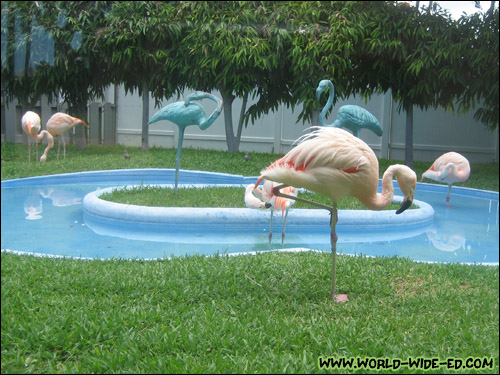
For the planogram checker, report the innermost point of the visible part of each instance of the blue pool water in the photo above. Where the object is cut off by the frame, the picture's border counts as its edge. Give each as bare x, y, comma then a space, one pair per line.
45, 215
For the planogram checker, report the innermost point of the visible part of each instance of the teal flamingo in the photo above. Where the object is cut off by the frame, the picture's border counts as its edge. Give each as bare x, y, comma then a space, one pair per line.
352, 117
185, 113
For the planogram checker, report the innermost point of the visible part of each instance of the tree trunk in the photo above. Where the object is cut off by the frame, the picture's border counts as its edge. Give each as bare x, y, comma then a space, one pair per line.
145, 116
409, 137
228, 122
232, 140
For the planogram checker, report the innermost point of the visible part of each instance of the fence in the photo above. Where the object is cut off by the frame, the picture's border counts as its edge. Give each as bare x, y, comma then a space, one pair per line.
435, 131
101, 116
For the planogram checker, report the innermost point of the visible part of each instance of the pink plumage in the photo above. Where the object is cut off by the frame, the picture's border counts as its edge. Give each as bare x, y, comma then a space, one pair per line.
449, 168
265, 198
30, 123
58, 124
332, 162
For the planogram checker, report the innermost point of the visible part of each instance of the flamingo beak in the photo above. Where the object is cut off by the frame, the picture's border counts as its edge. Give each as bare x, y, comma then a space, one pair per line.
268, 205
406, 204
318, 93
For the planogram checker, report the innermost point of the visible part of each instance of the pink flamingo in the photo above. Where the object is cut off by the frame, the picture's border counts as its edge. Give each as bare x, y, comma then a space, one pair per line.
449, 168
58, 124
265, 198
31, 126
334, 163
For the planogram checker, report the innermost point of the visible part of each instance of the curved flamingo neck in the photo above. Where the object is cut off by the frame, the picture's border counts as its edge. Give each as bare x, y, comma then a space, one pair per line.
326, 108
381, 201
201, 95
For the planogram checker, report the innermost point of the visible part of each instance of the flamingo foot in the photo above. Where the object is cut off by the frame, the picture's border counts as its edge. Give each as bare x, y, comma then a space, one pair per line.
340, 298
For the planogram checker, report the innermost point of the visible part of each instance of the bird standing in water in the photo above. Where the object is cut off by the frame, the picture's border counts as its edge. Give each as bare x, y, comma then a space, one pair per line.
448, 168
265, 198
332, 162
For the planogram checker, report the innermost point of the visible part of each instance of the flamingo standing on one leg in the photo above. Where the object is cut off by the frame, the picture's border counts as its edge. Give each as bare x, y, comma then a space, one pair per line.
58, 124
185, 113
333, 162
352, 117
265, 198
31, 126
449, 168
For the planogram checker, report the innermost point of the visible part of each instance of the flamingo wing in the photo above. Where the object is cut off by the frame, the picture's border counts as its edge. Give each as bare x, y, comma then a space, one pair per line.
354, 118
180, 114
328, 161
449, 168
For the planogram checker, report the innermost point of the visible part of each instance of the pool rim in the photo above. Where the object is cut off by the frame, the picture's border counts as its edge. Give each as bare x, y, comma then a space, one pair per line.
80, 177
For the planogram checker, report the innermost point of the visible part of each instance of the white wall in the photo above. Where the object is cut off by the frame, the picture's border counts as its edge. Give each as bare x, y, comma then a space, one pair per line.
435, 131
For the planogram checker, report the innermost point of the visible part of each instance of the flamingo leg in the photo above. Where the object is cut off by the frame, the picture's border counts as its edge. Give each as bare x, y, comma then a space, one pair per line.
284, 228
58, 144
271, 228
64, 146
448, 194
178, 156
29, 149
333, 234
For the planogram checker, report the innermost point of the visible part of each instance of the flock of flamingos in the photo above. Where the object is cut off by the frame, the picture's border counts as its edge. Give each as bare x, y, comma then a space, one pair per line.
328, 161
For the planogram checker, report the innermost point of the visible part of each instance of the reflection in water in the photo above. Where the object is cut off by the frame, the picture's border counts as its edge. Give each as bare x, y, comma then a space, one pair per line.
468, 232
447, 237
33, 205
61, 197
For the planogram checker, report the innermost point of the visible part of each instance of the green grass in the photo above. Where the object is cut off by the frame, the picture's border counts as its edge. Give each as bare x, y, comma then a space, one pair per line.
269, 313
225, 197
15, 163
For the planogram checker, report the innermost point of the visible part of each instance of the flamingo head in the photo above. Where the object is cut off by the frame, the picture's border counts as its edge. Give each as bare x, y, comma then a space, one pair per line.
80, 120
407, 181
322, 86
427, 173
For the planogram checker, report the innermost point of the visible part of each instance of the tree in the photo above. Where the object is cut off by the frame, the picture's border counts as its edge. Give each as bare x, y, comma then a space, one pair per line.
55, 38
235, 48
479, 47
77, 72
137, 41
325, 38
26, 46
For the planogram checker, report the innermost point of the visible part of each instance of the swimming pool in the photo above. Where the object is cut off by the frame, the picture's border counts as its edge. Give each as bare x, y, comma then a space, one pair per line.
46, 215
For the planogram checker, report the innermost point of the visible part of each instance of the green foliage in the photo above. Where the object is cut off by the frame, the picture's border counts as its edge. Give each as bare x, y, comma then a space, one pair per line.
271, 52
138, 45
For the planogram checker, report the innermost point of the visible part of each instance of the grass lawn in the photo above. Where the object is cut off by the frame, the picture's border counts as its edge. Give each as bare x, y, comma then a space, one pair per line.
269, 313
